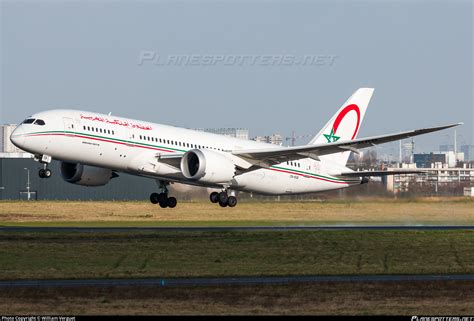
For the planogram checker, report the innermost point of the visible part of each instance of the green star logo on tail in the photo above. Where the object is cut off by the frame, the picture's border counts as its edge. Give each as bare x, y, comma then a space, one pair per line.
331, 137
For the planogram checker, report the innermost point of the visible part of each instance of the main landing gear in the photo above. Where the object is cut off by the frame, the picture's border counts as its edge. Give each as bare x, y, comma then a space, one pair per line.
223, 199
162, 198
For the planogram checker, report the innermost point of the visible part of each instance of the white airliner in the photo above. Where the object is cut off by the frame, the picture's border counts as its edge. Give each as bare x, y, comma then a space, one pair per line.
93, 148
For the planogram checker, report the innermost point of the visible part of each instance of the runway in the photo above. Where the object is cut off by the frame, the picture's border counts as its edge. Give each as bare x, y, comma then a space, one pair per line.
234, 228
171, 282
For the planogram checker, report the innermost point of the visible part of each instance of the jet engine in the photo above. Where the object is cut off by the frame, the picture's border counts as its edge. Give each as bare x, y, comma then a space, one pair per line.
86, 175
207, 166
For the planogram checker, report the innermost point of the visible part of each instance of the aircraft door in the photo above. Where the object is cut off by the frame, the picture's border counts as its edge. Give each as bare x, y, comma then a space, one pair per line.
130, 137
68, 125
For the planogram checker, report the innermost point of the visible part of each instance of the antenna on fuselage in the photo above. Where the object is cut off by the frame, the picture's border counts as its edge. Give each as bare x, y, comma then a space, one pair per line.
110, 113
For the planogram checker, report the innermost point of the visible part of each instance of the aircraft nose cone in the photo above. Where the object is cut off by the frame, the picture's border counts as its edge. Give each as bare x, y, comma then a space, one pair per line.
18, 136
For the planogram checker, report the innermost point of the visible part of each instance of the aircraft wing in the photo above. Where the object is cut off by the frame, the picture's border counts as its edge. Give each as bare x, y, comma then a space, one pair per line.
270, 156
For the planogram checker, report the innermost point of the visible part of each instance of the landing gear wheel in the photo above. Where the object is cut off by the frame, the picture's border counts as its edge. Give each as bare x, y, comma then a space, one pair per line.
154, 198
164, 203
163, 198
47, 173
214, 197
223, 197
172, 202
44, 173
232, 201
223, 204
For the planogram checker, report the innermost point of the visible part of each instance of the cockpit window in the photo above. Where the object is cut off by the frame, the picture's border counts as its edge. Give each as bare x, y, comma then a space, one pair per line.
39, 122
29, 121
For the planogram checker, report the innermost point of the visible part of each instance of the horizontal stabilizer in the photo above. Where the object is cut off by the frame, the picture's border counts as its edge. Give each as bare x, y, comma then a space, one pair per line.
380, 173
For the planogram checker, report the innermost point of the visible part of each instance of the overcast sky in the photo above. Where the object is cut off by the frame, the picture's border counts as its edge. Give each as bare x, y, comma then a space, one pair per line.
97, 55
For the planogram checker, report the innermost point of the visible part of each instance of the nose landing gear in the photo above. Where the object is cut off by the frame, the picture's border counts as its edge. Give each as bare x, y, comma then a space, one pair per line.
223, 199
45, 172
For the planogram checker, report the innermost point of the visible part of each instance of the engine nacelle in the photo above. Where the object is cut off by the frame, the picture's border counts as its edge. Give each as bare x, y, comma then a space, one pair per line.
85, 175
207, 166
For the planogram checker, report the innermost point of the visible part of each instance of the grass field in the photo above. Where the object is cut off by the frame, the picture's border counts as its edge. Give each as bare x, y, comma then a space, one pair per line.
201, 254
419, 298
436, 211
27, 255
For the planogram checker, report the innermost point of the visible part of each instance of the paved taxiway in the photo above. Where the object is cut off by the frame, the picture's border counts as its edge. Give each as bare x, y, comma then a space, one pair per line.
232, 280
233, 228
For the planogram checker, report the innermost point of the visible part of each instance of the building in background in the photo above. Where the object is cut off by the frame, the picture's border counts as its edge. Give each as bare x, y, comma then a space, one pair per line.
240, 133
436, 177
469, 191
427, 160
17, 174
276, 139
468, 151
6, 145
7, 149
446, 148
